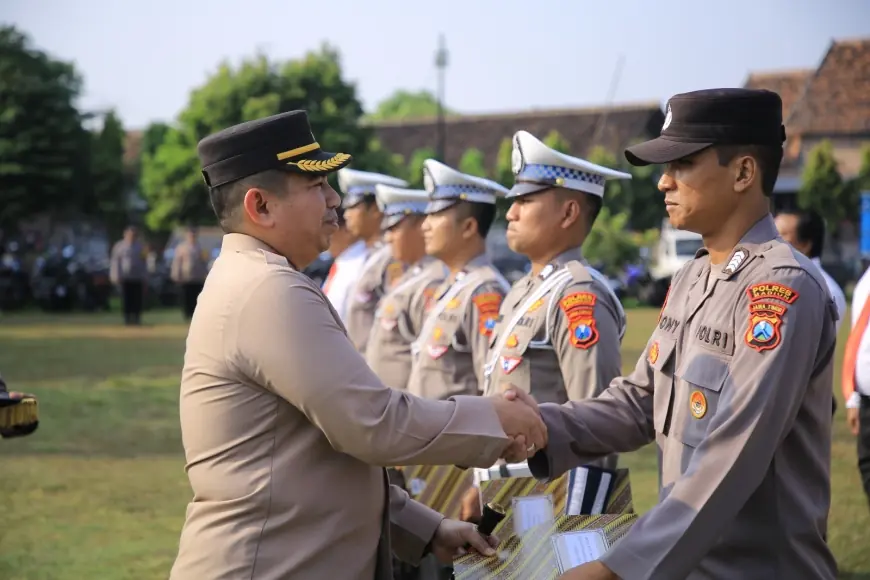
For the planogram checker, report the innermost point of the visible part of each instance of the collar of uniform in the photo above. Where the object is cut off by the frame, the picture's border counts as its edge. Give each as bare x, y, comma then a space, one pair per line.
817, 261
757, 240
245, 243
570, 255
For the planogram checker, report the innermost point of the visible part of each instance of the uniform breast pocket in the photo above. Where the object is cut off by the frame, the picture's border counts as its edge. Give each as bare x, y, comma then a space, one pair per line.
701, 377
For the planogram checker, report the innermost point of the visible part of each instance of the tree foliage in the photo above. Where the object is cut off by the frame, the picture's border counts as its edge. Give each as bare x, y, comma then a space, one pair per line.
171, 180
637, 197
473, 163
414, 175
555, 140
110, 180
823, 189
44, 148
407, 105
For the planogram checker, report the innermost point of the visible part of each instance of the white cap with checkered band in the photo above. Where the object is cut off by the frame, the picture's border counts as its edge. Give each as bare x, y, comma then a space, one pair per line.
537, 167
447, 187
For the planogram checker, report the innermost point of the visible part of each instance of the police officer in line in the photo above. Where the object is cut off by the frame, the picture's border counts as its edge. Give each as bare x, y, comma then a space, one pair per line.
285, 427
189, 269
19, 413
379, 270
559, 328
450, 351
128, 270
735, 383
400, 313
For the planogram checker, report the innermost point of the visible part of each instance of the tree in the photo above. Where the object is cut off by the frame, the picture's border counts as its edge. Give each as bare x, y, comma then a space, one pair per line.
504, 172
554, 140
407, 105
414, 176
473, 163
637, 197
171, 180
43, 146
110, 181
607, 246
822, 188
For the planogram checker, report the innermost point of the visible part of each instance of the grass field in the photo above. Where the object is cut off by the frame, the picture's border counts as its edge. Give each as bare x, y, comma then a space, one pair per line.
99, 491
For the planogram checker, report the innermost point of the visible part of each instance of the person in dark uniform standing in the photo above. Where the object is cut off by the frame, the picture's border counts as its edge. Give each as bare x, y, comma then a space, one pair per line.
129, 271
189, 268
734, 385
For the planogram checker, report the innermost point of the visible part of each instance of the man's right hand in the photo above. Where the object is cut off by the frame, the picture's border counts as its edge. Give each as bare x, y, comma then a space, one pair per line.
521, 421
852, 420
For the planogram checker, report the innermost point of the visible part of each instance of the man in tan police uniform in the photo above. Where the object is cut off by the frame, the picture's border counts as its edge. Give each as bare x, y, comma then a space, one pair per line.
400, 313
189, 269
128, 270
450, 352
380, 269
284, 425
734, 385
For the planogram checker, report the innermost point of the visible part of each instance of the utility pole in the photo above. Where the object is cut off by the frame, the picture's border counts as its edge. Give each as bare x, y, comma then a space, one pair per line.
441, 65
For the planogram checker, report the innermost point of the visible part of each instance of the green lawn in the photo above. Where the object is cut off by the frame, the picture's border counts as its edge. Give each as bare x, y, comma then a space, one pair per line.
99, 491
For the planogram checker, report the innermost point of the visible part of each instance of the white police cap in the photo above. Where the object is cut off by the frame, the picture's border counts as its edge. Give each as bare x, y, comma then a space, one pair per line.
537, 167
396, 203
357, 185
447, 186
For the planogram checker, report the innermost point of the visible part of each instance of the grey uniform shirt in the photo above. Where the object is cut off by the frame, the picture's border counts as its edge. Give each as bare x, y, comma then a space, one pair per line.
363, 300
558, 336
128, 262
399, 319
450, 353
189, 263
734, 386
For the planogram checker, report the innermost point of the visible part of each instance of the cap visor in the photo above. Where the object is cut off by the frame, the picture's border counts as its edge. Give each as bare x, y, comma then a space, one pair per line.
521, 189
390, 221
661, 150
319, 163
440, 205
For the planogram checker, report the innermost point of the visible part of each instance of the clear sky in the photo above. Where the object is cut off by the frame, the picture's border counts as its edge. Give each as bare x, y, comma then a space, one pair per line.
143, 58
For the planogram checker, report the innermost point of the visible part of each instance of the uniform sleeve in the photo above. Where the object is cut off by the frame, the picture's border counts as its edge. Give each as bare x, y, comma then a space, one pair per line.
480, 322
412, 526
286, 339
586, 340
114, 267
618, 421
757, 406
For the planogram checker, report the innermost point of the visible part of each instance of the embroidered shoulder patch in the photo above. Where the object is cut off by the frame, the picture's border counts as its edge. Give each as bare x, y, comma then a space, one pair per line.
580, 313
765, 319
487, 305
773, 291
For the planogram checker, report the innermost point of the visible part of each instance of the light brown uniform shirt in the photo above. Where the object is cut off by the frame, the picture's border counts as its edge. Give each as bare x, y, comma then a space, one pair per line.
558, 336
450, 352
735, 387
285, 430
128, 262
398, 321
189, 263
374, 281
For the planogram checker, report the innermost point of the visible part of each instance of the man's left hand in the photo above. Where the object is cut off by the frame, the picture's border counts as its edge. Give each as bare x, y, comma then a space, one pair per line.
590, 571
452, 537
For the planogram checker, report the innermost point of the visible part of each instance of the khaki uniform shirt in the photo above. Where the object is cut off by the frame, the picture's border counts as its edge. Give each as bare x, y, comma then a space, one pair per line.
735, 387
450, 352
378, 272
558, 335
189, 263
398, 321
285, 429
128, 262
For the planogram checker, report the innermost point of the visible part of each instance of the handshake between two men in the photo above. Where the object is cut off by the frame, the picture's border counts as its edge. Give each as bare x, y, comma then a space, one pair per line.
521, 420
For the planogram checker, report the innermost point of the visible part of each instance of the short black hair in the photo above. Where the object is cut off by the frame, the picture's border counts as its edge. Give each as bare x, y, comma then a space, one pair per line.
483, 214
226, 199
810, 228
768, 156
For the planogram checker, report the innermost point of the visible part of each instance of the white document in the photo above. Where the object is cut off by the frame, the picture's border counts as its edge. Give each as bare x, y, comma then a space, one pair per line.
577, 548
531, 511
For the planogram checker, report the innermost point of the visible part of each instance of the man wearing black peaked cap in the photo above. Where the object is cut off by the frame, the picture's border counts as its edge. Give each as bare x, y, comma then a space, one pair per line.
285, 428
734, 385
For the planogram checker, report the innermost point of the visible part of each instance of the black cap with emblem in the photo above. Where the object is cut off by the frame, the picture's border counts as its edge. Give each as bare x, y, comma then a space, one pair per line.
284, 141
701, 119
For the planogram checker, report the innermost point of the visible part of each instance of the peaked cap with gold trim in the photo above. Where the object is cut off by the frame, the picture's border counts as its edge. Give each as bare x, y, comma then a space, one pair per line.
284, 141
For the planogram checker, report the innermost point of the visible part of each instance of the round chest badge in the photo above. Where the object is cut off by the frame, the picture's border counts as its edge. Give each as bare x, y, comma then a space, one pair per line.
698, 404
